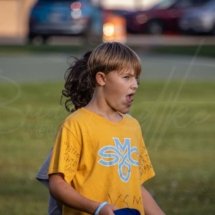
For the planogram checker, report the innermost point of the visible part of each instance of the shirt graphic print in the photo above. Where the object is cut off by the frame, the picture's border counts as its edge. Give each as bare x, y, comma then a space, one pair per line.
119, 154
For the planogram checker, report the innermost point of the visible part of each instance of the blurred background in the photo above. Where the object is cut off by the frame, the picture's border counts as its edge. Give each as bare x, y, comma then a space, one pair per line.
175, 103
26, 20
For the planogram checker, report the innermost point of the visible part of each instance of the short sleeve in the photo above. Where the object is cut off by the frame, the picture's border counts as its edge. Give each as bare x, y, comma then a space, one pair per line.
65, 154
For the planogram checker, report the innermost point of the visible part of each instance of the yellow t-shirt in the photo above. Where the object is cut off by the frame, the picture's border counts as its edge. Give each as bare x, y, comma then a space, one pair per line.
102, 160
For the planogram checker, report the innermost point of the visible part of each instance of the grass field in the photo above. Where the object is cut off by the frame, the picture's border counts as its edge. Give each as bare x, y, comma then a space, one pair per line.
178, 121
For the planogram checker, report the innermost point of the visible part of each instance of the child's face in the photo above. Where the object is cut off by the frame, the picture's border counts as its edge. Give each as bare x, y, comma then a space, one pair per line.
119, 89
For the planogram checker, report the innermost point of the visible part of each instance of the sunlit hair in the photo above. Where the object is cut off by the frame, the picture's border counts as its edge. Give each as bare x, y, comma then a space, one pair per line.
80, 76
113, 56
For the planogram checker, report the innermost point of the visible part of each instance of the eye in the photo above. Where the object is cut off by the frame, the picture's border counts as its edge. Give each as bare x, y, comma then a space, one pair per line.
126, 77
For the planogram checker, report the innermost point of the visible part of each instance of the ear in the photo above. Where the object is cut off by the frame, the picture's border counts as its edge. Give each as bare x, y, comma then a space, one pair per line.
100, 78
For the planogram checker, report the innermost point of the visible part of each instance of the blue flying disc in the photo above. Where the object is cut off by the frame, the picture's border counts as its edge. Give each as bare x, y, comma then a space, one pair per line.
127, 211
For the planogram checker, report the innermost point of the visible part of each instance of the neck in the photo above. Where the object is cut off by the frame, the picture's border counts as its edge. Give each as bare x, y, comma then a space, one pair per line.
98, 107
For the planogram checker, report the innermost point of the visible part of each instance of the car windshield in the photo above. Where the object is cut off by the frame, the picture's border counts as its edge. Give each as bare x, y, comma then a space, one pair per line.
164, 4
210, 5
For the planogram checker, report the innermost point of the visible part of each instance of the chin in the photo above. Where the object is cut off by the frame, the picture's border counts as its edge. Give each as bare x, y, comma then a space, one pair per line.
125, 111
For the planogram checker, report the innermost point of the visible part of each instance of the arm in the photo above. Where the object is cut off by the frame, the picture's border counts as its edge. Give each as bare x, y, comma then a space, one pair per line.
70, 197
150, 206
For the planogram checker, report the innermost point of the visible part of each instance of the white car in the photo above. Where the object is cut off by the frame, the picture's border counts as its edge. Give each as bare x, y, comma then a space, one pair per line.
199, 20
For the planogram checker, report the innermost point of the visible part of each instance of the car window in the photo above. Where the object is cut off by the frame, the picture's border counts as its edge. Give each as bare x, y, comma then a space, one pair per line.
163, 4
184, 4
210, 5
199, 2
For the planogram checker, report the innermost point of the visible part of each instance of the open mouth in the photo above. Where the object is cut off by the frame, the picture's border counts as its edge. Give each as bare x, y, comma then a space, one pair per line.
130, 98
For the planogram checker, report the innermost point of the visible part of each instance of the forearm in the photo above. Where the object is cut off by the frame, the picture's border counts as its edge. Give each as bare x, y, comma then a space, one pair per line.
69, 196
150, 205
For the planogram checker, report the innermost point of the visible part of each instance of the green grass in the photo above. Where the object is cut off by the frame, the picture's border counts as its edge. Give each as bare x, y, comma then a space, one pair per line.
190, 50
178, 121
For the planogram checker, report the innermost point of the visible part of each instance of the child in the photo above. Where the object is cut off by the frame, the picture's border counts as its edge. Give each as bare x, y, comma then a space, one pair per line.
54, 208
99, 161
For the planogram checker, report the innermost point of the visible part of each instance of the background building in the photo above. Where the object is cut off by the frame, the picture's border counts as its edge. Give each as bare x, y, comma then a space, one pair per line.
13, 17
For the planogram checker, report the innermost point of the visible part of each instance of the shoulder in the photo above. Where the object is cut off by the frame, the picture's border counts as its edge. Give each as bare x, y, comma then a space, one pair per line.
76, 118
133, 121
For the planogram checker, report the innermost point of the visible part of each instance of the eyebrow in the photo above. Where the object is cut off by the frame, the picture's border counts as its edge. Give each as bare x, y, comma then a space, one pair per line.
128, 72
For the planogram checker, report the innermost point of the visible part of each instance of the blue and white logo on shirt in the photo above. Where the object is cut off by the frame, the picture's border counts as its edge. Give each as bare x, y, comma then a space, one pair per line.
120, 154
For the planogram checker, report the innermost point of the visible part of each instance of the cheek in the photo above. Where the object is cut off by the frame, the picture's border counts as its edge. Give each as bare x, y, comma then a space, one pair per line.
116, 87
112, 87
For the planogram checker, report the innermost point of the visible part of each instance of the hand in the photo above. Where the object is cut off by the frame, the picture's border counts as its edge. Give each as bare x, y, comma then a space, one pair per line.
107, 210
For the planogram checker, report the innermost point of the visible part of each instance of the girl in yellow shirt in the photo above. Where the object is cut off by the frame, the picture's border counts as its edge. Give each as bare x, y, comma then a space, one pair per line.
99, 161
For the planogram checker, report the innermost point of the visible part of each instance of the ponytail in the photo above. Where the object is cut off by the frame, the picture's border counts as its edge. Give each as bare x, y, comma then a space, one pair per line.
78, 87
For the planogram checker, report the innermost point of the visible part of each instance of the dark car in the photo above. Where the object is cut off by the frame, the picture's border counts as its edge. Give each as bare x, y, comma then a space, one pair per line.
162, 17
64, 18
200, 20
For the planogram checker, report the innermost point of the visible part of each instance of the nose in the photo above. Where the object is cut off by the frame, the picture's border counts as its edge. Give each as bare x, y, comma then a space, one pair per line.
134, 84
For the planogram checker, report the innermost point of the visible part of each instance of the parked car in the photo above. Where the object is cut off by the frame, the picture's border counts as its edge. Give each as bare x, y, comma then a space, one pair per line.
199, 20
64, 18
162, 17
